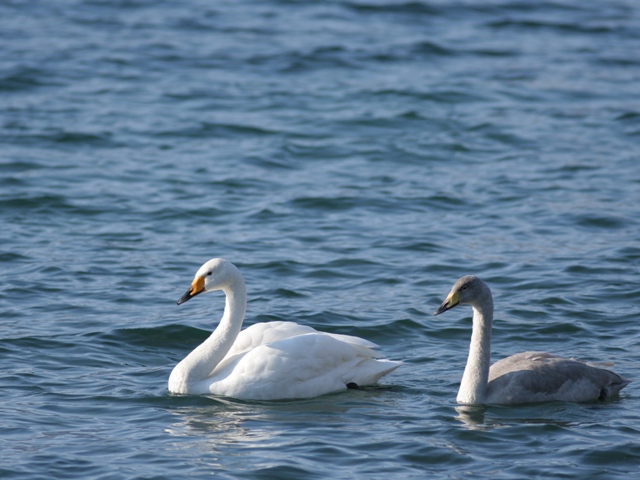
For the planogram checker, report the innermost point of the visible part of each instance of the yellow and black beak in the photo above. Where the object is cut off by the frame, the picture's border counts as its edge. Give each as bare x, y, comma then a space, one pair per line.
197, 286
451, 301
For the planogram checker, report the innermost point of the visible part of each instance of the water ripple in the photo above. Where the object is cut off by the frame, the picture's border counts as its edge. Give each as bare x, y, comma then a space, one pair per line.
353, 158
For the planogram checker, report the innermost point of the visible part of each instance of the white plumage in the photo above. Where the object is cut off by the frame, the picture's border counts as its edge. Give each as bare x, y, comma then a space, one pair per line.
269, 361
524, 377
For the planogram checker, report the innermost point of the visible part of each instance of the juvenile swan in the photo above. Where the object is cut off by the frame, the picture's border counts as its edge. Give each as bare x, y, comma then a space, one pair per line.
269, 361
524, 377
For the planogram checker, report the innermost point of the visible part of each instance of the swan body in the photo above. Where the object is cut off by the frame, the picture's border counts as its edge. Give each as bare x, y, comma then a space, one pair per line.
524, 377
269, 361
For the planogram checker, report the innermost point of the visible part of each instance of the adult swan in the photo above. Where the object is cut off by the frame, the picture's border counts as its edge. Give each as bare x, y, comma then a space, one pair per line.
269, 361
524, 377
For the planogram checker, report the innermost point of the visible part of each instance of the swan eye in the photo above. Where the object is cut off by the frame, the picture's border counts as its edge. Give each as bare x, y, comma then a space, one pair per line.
209, 273
464, 288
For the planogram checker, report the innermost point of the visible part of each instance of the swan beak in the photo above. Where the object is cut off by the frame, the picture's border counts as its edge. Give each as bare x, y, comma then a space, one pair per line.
451, 301
197, 286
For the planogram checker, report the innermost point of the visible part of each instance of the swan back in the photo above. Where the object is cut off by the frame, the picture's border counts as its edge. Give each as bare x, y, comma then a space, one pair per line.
540, 376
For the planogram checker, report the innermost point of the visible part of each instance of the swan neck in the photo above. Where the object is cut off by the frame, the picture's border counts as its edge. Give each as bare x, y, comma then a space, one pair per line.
201, 362
473, 387
234, 309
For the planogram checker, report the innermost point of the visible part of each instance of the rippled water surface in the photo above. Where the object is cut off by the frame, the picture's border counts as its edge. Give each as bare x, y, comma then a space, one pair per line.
353, 159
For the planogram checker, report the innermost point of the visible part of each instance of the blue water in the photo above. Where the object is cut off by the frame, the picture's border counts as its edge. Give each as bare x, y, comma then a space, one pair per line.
353, 159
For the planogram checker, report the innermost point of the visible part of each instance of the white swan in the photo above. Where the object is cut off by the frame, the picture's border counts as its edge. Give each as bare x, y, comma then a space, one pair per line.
269, 361
524, 377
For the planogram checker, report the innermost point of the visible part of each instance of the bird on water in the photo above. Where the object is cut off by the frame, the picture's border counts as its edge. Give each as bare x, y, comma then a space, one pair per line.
523, 377
273, 360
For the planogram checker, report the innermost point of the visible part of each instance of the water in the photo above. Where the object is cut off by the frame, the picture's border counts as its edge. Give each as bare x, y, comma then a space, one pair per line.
353, 158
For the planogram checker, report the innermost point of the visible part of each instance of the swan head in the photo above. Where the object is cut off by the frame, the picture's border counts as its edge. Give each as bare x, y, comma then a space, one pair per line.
216, 274
469, 290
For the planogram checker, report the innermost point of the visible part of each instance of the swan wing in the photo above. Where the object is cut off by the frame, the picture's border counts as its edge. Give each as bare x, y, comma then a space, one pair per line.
301, 366
262, 333
539, 376
268, 332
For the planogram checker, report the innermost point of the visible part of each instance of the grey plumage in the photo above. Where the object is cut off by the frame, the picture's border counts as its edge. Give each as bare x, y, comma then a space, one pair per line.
524, 377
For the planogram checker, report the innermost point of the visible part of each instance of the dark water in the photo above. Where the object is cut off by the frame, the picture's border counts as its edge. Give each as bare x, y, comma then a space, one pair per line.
353, 158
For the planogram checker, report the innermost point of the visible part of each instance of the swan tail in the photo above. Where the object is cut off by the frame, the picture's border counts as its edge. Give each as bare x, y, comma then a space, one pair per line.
613, 388
370, 371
